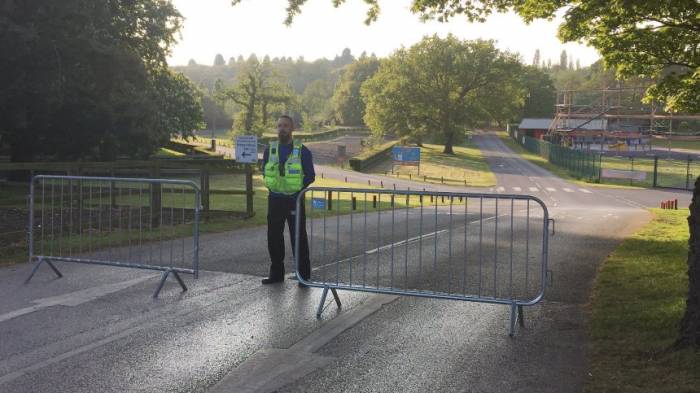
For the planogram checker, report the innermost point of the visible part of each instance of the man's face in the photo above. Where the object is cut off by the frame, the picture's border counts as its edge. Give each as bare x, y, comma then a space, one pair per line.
284, 129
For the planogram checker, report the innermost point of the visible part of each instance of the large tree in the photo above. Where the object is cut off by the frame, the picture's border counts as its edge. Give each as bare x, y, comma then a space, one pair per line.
439, 86
657, 39
83, 79
348, 106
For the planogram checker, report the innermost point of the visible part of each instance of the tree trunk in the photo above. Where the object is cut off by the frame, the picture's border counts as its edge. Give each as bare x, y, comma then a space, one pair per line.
448, 143
690, 325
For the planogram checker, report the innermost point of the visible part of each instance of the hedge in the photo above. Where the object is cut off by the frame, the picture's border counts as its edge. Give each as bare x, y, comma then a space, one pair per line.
370, 157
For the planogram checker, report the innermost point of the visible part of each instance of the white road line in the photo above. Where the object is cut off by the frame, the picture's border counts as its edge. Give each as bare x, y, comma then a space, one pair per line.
551, 189
500, 189
534, 189
583, 190
74, 298
517, 189
567, 190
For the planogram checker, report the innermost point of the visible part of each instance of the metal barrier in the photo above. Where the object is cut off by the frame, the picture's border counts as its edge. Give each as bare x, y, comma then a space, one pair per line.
123, 222
489, 248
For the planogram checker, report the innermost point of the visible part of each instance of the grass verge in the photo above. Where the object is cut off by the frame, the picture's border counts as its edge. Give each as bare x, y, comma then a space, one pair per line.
637, 305
466, 167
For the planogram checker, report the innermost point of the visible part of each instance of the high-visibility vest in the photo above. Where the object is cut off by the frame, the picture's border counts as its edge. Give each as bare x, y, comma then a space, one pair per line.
291, 179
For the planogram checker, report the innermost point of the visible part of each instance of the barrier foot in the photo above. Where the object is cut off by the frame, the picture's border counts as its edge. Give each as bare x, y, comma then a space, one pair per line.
323, 301
36, 267
521, 316
513, 308
164, 277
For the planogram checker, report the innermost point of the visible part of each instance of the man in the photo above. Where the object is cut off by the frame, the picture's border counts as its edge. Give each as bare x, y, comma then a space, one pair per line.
287, 169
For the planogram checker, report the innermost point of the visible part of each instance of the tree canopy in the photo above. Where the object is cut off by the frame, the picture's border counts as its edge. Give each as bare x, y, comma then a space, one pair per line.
638, 38
84, 79
441, 86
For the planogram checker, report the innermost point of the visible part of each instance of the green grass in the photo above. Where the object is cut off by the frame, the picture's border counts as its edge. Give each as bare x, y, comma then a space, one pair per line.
637, 305
557, 170
466, 164
690, 145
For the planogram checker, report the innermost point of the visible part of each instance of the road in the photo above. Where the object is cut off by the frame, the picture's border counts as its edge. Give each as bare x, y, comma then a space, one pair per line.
98, 329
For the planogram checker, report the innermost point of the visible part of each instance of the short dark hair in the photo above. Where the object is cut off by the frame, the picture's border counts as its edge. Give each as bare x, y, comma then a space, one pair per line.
288, 118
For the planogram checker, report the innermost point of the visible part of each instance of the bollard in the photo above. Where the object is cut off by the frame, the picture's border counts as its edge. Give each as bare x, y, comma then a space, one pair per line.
321, 175
431, 199
392, 200
675, 204
354, 203
442, 179
374, 201
443, 199
346, 179
381, 183
330, 200
409, 176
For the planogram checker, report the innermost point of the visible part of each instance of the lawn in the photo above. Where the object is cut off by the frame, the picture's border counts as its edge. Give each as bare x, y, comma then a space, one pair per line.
465, 167
638, 302
677, 144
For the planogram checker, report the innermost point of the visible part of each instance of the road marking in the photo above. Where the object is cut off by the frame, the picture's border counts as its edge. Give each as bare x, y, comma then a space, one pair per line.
411, 240
500, 189
583, 190
517, 189
567, 190
534, 189
551, 189
74, 298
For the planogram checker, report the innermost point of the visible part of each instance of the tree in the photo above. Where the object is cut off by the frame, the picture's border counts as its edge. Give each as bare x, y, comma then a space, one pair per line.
316, 102
438, 86
348, 106
219, 60
536, 58
562, 60
636, 38
84, 79
540, 93
191, 63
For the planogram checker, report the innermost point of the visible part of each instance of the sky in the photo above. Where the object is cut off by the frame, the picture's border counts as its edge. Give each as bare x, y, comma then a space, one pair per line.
256, 26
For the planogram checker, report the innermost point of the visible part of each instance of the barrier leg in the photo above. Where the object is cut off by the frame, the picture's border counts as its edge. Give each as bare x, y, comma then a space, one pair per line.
335, 296
164, 276
323, 301
513, 308
521, 316
36, 267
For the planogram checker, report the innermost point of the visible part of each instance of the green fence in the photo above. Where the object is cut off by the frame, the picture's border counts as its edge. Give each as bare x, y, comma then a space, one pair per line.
634, 171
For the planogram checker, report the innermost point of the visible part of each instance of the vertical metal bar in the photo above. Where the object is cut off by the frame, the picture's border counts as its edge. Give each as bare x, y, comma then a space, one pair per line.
435, 236
31, 220
495, 253
337, 239
352, 234
481, 240
405, 279
160, 226
43, 209
80, 216
89, 201
466, 232
449, 250
60, 228
182, 222
364, 232
323, 251
512, 218
379, 232
197, 213
393, 221
173, 229
527, 248
128, 232
311, 224
112, 201
53, 218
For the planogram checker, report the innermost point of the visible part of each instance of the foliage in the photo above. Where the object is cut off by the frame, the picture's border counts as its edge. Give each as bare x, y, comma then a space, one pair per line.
440, 86
348, 106
648, 39
84, 79
540, 93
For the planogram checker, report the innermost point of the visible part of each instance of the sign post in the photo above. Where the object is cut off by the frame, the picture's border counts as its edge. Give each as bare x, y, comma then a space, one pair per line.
409, 156
247, 149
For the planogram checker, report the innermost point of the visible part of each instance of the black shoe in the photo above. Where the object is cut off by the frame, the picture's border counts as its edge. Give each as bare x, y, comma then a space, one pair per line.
272, 280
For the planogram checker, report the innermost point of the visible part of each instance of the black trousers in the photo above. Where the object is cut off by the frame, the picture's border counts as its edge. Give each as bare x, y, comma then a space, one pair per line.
279, 210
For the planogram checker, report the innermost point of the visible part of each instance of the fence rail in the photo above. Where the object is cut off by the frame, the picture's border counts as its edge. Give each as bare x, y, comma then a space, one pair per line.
150, 224
488, 248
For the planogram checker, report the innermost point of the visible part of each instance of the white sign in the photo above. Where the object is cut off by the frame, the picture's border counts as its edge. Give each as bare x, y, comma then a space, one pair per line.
247, 149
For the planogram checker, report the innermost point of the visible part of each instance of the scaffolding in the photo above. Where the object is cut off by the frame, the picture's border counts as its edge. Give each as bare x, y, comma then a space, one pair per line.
610, 117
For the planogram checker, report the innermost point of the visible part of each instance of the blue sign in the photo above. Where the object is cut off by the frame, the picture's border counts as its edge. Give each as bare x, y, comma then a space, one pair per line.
405, 154
318, 203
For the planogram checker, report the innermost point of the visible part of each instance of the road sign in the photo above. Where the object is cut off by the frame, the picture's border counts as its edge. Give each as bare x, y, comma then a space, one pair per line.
405, 155
247, 149
318, 203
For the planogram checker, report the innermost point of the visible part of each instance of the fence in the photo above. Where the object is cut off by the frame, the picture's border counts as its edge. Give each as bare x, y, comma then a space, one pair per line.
643, 171
462, 246
150, 224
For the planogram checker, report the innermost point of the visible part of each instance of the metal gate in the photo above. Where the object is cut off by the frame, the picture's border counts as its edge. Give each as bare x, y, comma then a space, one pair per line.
489, 248
148, 224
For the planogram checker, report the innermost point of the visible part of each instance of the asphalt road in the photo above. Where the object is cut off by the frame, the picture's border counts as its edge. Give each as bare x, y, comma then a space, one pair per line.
98, 329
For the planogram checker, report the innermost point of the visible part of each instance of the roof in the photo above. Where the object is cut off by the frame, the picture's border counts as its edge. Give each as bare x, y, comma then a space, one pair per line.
535, 124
